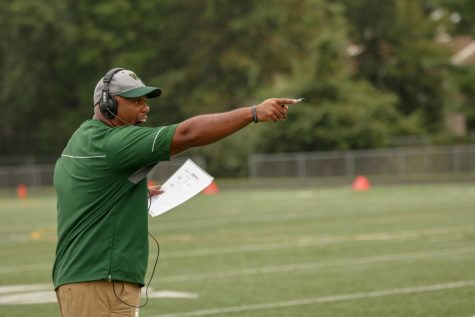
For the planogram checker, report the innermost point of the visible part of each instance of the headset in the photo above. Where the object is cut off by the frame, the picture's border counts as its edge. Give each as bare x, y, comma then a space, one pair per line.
108, 105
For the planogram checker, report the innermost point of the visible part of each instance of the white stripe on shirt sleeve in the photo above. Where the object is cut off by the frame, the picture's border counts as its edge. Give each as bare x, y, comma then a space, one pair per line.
83, 157
153, 145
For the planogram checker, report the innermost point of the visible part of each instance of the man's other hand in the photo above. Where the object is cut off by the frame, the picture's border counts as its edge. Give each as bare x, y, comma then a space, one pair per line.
155, 190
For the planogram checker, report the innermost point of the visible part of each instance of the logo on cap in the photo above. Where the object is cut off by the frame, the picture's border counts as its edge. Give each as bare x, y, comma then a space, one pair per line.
134, 76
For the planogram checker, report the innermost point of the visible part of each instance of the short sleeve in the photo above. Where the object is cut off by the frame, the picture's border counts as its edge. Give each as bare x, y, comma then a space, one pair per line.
131, 147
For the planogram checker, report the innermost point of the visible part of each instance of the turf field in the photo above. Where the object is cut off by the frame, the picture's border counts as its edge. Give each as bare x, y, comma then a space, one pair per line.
392, 251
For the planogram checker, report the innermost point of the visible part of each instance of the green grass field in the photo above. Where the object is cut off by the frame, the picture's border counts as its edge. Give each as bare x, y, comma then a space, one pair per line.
392, 251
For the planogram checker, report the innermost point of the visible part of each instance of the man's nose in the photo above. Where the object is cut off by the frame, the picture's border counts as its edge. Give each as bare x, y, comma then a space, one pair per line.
146, 108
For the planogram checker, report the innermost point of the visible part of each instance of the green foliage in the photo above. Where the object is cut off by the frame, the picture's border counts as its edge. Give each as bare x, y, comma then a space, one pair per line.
33, 38
228, 158
458, 15
214, 55
359, 117
400, 55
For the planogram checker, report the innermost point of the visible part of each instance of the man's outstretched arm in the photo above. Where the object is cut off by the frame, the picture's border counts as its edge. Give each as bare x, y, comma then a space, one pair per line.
209, 128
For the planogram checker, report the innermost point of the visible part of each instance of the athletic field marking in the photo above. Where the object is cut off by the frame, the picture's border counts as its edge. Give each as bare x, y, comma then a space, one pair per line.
42, 297
318, 265
25, 287
276, 246
43, 293
324, 299
21, 228
275, 269
213, 221
44, 234
377, 236
26, 268
280, 268
172, 294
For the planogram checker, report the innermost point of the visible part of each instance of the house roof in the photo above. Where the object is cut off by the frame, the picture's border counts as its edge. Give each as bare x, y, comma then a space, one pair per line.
464, 50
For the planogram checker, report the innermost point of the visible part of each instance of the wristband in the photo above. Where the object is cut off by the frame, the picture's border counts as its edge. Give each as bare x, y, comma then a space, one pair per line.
254, 114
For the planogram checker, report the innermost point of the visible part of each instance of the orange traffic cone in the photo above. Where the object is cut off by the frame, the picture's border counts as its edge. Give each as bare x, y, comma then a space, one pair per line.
361, 183
22, 191
212, 189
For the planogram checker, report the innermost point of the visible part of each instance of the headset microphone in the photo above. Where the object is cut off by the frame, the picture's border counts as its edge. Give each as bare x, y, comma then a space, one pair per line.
116, 116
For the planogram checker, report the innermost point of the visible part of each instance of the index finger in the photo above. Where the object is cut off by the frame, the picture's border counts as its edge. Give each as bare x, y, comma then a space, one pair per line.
287, 101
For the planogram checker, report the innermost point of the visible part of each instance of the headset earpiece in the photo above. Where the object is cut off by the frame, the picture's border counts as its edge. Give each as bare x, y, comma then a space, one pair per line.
108, 105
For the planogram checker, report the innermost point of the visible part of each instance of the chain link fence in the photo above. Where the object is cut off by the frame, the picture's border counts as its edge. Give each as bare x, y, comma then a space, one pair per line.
456, 163
399, 164
36, 174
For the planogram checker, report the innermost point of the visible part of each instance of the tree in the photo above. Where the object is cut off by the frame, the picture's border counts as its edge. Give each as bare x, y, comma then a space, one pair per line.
400, 55
340, 112
215, 55
30, 77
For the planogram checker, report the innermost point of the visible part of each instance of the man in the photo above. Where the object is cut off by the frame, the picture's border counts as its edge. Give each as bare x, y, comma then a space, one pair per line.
101, 184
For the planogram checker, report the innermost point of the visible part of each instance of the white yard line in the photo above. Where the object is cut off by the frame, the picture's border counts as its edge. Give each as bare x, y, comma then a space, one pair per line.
172, 294
324, 240
42, 297
26, 268
274, 269
324, 299
25, 287
318, 265
43, 293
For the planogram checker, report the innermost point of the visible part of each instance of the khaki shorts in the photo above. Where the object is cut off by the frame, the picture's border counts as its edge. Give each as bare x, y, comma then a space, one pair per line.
97, 299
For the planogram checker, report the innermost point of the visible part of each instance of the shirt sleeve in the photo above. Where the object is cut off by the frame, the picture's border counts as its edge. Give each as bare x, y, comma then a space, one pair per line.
131, 147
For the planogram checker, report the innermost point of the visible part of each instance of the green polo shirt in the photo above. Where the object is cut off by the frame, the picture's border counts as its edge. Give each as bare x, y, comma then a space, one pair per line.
101, 185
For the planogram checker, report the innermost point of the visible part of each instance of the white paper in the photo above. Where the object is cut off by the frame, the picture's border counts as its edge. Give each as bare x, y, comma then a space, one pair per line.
185, 183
